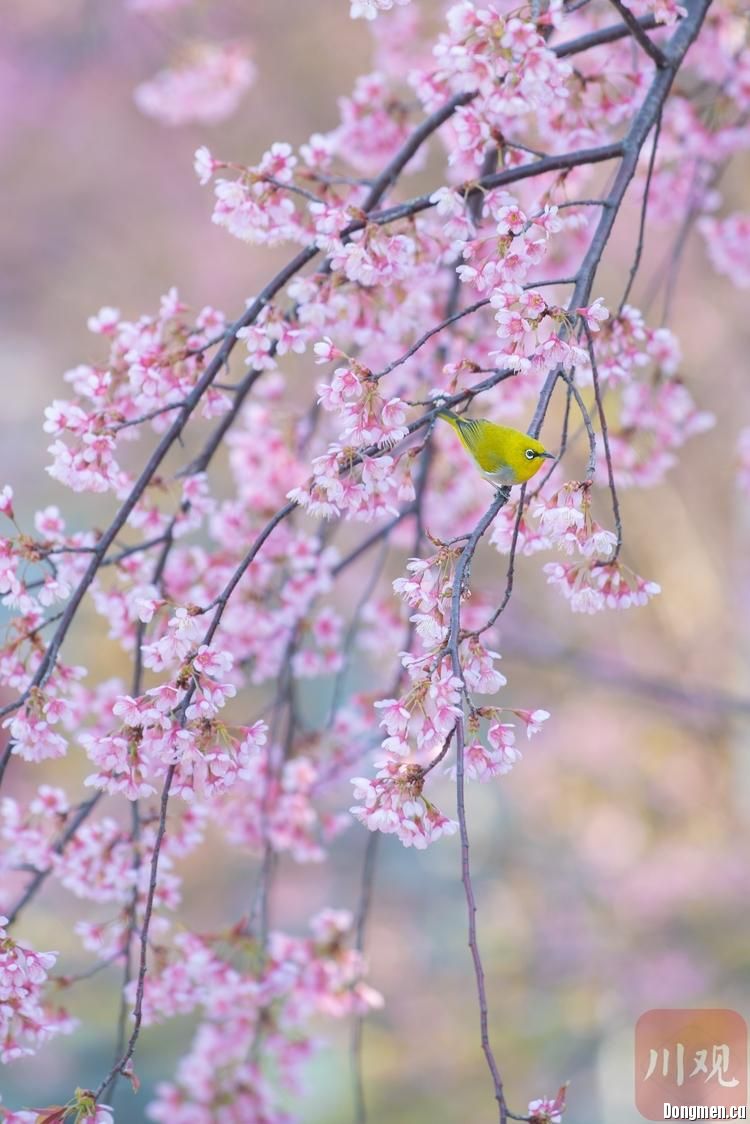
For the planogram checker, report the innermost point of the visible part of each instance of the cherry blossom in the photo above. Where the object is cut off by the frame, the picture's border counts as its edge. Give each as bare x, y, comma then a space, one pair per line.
728, 246
25, 1022
207, 88
368, 9
258, 674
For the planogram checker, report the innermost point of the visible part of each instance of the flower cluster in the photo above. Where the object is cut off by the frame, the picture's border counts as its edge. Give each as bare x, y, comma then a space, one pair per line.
374, 122
421, 723
589, 589
393, 803
366, 417
362, 486
561, 519
656, 411
230, 591
728, 245
505, 62
206, 87
565, 522
368, 9
276, 805
548, 1110
28, 831
255, 999
152, 366
25, 1021
743, 450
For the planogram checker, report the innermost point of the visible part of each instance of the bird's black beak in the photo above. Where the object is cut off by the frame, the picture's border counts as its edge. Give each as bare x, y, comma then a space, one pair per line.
549, 456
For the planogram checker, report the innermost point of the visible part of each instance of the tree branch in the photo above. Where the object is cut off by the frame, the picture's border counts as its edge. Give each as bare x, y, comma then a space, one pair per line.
639, 34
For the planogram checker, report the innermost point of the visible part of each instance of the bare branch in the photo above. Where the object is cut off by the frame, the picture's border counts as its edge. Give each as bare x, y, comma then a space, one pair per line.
605, 442
603, 35
639, 34
642, 224
643, 123
501, 498
58, 847
586, 418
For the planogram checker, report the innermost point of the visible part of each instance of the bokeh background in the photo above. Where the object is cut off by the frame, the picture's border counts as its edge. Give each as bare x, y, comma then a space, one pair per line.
612, 865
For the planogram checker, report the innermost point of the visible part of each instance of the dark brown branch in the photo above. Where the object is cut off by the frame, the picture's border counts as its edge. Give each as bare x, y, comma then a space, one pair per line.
596, 668
430, 125
41, 876
642, 224
462, 566
122, 1062
634, 25
644, 121
603, 35
415, 347
368, 879
170, 437
511, 572
605, 442
561, 162
209, 450
587, 423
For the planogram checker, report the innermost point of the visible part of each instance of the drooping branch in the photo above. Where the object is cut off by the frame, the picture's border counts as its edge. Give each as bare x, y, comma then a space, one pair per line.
645, 119
639, 34
627, 152
460, 576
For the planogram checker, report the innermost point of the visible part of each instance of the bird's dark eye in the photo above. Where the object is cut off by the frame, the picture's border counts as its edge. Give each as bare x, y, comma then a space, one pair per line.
530, 454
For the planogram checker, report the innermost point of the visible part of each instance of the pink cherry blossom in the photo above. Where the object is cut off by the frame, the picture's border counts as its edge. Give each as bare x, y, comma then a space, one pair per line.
207, 88
25, 1022
368, 9
728, 245
268, 648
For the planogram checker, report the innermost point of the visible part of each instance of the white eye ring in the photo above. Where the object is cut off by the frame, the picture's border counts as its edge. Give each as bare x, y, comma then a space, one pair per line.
530, 454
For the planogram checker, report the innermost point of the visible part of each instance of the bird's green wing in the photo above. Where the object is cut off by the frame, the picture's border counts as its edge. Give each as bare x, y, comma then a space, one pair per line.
486, 443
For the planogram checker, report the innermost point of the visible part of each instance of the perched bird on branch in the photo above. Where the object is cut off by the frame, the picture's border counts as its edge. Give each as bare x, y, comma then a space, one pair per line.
504, 456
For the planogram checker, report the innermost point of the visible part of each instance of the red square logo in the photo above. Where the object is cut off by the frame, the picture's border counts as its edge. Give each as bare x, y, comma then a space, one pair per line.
690, 1057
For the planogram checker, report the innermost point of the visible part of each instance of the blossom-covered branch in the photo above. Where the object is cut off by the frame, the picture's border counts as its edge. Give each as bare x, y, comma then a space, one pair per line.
226, 593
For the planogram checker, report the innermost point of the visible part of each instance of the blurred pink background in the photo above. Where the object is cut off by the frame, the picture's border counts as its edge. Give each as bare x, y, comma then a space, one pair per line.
611, 866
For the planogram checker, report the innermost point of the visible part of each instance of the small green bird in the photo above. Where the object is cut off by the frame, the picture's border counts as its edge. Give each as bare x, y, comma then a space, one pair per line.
504, 456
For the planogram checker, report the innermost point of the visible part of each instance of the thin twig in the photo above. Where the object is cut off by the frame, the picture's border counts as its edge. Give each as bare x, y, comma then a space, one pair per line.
58, 847
372, 539
510, 575
642, 225
439, 756
605, 443
500, 499
371, 850
586, 418
631, 146
121, 1063
599, 669
560, 162
365, 901
135, 835
429, 334
652, 50
146, 417
351, 632
172, 435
